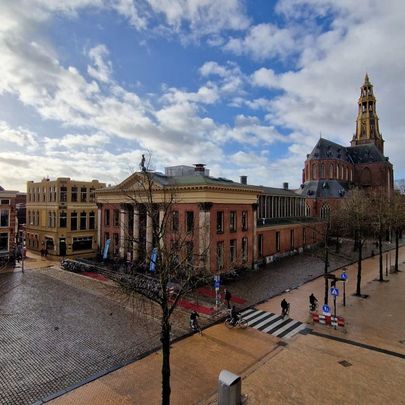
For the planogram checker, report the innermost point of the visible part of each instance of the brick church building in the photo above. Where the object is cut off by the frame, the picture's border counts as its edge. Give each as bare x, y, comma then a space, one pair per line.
331, 170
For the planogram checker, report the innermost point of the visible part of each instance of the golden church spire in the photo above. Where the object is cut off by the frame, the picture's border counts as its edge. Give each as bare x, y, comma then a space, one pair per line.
367, 128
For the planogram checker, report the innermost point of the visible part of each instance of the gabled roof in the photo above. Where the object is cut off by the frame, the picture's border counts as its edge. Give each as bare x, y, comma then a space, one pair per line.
1, 188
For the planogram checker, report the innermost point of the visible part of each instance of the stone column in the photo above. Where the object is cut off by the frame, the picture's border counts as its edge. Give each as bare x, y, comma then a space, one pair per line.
135, 235
204, 238
123, 231
99, 222
149, 235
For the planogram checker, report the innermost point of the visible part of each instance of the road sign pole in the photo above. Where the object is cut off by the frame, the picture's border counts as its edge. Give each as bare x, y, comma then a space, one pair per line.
344, 293
334, 310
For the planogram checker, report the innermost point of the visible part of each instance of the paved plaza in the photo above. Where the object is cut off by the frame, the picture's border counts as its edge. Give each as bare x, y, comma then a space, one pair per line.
60, 329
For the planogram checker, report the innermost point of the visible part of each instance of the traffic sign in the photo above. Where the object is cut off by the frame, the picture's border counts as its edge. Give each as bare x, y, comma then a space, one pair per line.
343, 276
334, 291
217, 284
326, 309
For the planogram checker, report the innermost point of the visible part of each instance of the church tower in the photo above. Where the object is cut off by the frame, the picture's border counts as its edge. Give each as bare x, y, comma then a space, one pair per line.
367, 128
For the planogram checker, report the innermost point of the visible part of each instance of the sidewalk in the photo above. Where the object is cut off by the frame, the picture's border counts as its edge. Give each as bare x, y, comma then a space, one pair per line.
309, 369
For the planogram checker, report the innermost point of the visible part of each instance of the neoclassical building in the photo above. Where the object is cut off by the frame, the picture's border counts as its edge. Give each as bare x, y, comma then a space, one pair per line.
331, 170
230, 224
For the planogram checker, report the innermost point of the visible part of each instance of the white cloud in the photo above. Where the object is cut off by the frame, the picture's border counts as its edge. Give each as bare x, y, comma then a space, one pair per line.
264, 41
102, 69
265, 78
22, 137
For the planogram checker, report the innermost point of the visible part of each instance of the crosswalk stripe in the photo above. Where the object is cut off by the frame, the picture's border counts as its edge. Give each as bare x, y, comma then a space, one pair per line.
266, 321
248, 311
254, 314
257, 319
277, 325
294, 331
290, 325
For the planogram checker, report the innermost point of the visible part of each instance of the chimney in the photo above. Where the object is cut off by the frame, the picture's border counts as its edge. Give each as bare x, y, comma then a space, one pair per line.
285, 186
243, 179
199, 168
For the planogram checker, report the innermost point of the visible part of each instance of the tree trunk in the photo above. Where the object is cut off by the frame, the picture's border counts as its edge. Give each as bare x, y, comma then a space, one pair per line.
381, 256
325, 300
165, 340
396, 249
358, 287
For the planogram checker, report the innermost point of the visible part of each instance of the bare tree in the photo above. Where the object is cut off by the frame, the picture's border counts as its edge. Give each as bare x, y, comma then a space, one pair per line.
354, 217
169, 252
397, 221
379, 222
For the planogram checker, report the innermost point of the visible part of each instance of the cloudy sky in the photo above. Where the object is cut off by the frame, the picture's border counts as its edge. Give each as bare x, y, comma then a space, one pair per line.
247, 87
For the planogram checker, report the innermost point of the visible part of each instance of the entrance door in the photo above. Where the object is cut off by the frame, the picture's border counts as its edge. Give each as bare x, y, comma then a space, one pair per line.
62, 247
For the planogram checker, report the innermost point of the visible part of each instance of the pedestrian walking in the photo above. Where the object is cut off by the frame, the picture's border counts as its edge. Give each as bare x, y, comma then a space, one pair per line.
227, 298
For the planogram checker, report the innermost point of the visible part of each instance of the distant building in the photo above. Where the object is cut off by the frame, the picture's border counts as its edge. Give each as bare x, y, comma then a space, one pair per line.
229, 224
62, 217
331, 170
8, 221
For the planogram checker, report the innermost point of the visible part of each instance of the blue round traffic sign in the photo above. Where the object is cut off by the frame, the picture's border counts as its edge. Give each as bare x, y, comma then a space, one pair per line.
343, 276
325, 308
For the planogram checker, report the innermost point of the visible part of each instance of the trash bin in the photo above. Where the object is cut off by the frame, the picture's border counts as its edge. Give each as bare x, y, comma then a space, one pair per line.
229, 388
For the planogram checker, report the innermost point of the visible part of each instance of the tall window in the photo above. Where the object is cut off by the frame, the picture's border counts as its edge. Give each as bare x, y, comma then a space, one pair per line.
4, 217
37, 219
74, 194
63, 194
232, 250
244, 220
62, 219
3, 241
92, 220
325, 211
83, 194
49, 219
260, 245
220, 255
322, 171
116, 217
244, 250
189, 221
91, 195
107, 217
277, 241
220, 221
175, 221
73, 221
83, 218
232, 221
331, 171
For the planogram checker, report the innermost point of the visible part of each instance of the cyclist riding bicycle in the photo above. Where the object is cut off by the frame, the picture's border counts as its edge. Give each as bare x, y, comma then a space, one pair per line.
194, 321
313, 301
284, 307
234, 315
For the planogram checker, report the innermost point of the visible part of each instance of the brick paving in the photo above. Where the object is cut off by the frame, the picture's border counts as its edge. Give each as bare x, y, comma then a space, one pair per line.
54, 335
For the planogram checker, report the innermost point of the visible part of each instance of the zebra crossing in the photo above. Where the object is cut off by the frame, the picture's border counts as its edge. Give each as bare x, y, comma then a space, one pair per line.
273, 324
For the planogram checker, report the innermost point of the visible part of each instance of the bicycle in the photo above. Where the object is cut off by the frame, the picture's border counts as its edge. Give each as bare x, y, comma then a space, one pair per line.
240, 323
194, 326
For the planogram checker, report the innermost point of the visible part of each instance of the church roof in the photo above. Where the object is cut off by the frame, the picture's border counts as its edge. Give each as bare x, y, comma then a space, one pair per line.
367, 153
325, 149
1, 188
323, 189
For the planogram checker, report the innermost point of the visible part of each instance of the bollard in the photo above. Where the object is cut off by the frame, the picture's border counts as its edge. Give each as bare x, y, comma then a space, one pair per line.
229, 388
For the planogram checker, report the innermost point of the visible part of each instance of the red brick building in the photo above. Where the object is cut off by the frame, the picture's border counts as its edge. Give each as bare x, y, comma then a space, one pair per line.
224, 224
331, 170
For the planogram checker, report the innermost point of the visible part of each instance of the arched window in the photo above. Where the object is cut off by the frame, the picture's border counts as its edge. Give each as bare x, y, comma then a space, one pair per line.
337, 171
322, 171
313, 174
325, 211
307, 210
331, 171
